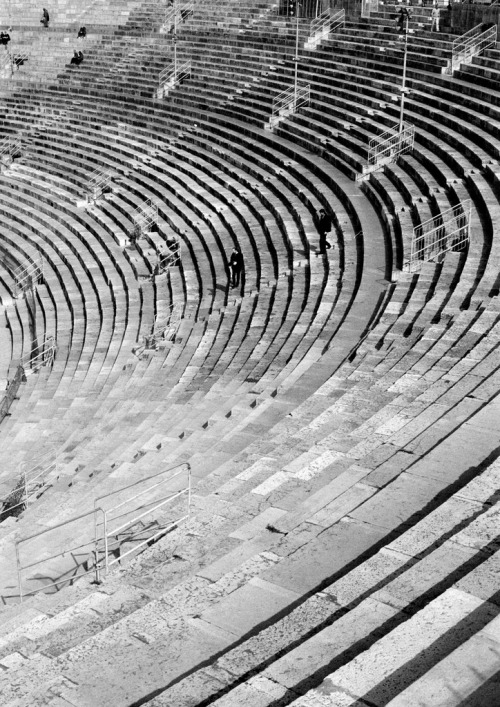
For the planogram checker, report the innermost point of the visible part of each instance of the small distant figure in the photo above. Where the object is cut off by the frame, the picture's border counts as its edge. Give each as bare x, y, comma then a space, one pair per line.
402, 17
436, 16
45, 18
4, 38
324, 227
82, 33
235, 267
77, 58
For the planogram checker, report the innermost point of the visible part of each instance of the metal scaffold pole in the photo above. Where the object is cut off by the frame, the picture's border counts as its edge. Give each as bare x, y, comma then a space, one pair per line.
296, 59
175, 39
403, 86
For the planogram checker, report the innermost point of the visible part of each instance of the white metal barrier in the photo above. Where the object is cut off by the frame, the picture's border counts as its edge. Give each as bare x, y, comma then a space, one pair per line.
98, 183
469, 45
388, 146
122, 524
289, 101
322, 26
26, 276
143, 218
438, 235
172, 75
43, 354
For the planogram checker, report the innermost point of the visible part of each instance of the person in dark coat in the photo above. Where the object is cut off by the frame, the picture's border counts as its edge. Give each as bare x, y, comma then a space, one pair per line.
77, 58
235, 267
82, 33
402, 16
4, 38
45, 18
324, 227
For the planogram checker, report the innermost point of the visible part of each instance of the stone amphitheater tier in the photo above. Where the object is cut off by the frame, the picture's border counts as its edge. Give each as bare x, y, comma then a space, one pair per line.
339, 414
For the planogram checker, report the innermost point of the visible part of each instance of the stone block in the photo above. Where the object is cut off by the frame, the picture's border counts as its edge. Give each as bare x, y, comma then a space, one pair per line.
253, 604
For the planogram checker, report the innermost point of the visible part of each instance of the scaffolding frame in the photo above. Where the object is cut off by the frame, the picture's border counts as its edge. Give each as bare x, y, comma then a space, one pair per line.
450, 230
469, 45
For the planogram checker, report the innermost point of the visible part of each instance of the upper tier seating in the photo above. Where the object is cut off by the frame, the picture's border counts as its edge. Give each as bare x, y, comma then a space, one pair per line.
339, 413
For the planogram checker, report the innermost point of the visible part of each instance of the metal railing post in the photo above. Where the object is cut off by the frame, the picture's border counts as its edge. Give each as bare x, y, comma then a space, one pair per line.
105, 533
19, 577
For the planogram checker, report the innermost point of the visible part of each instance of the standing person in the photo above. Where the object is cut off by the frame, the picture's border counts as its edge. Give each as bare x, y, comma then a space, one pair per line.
4, 38
436, 14
324, 227
45, 18
235, 267
403, 15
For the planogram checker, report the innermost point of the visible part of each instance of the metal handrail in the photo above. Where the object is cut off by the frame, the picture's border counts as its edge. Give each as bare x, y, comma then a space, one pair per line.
169, 75
319, 22
45, 357
337, 20
27, 275
21, 568
471, 44
106, 533
450, 230
289, 99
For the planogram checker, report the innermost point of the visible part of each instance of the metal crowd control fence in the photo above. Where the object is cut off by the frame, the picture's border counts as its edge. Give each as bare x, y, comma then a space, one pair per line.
143, 218
388, 146
42, 355
82, 556
11, 392
25, 276
118, 526
172, 75
438, 235
98, 182
287, 102
469, 45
